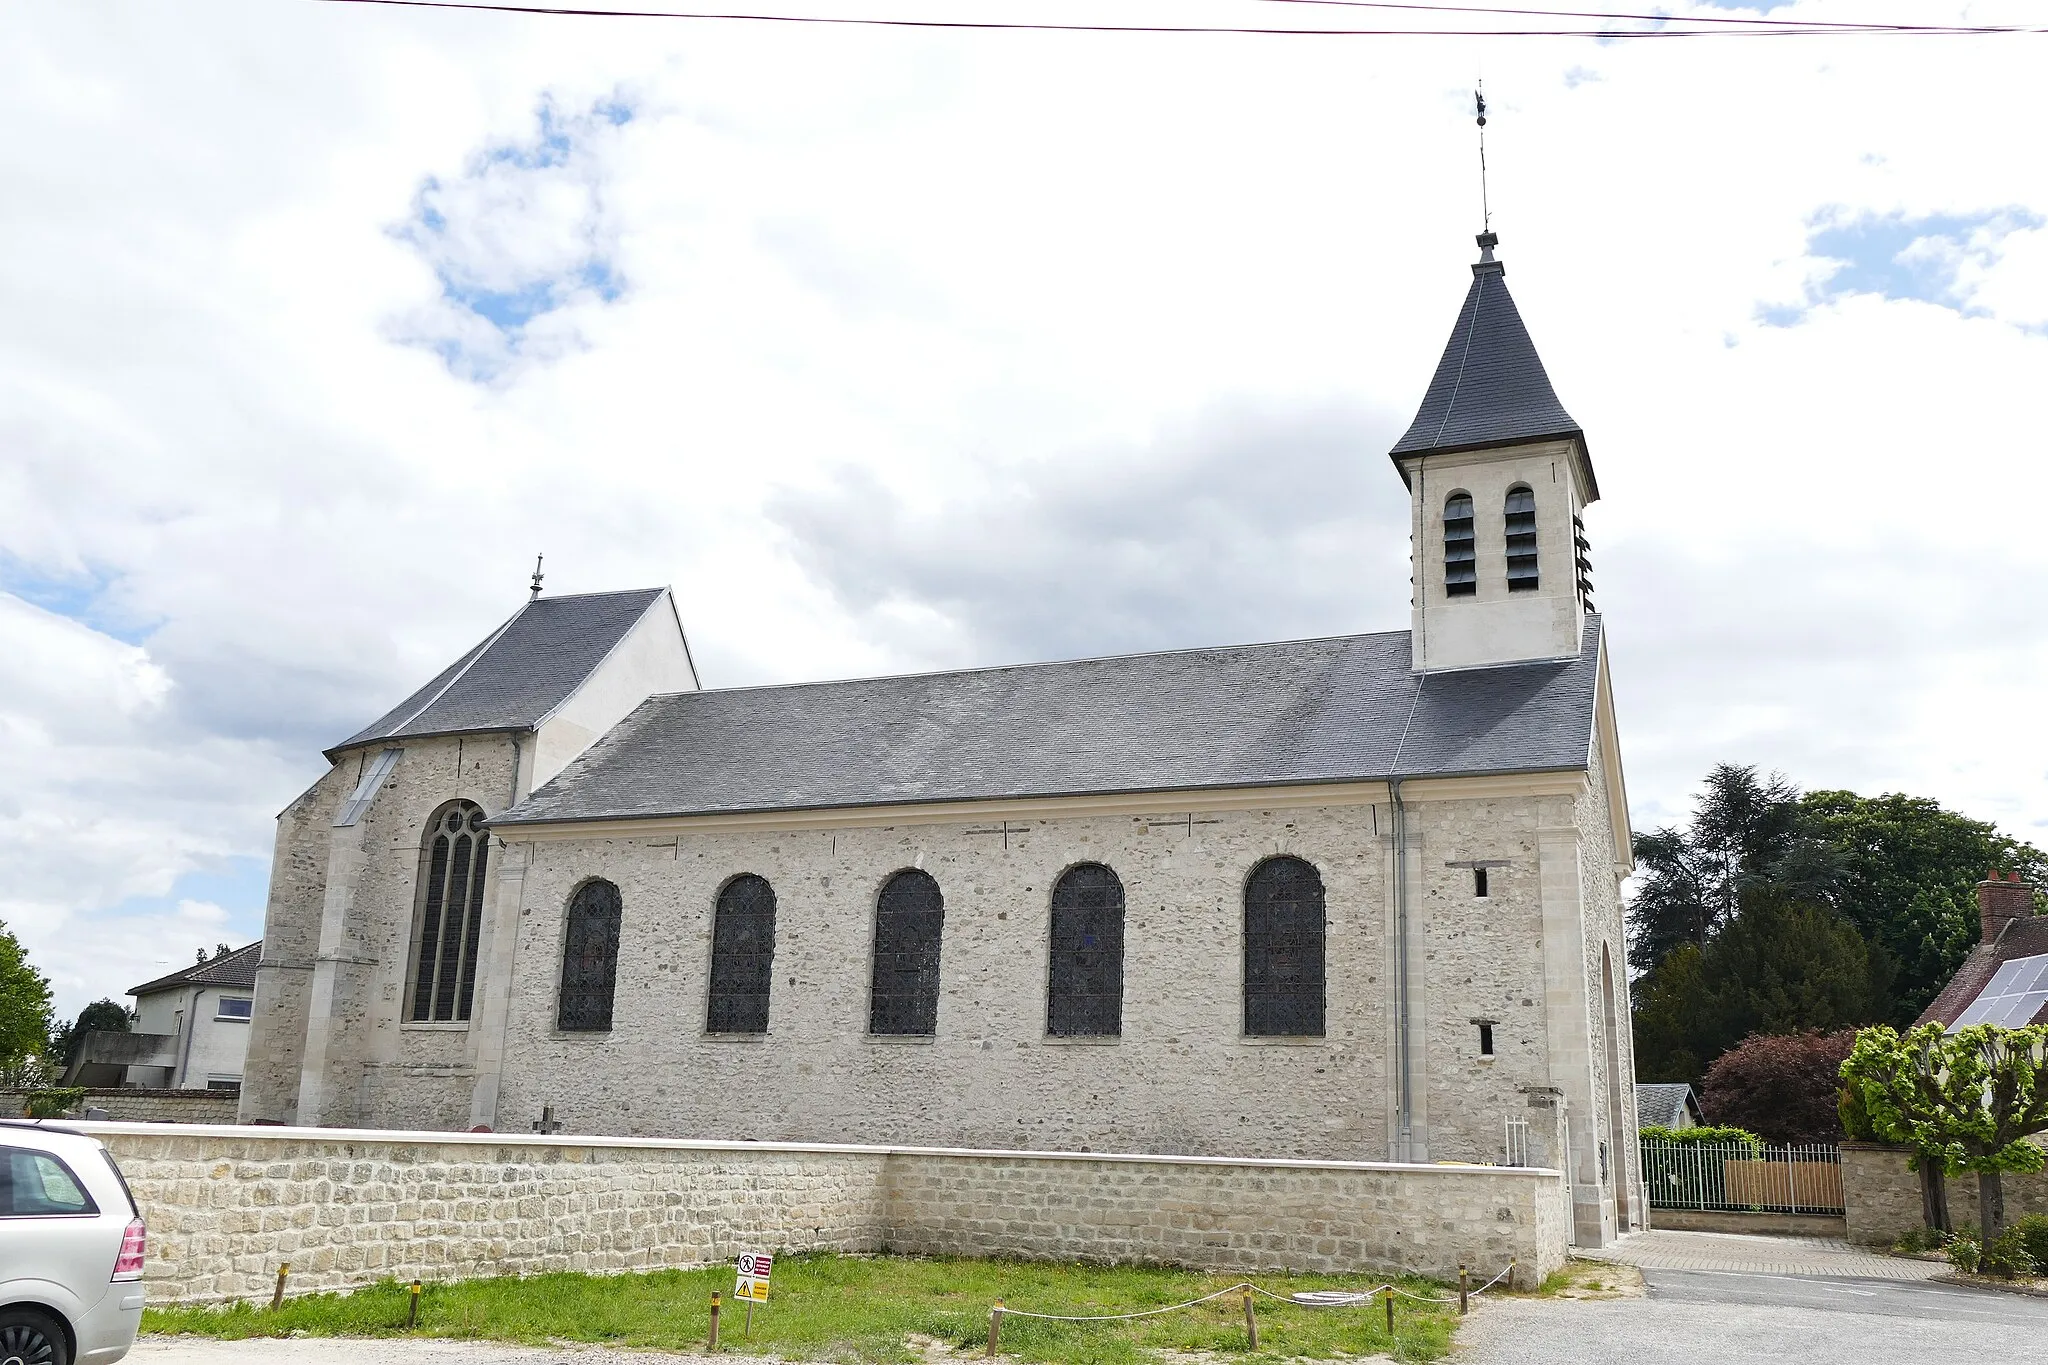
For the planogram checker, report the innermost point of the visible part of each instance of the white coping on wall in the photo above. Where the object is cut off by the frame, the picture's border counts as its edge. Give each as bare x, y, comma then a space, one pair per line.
274, 1133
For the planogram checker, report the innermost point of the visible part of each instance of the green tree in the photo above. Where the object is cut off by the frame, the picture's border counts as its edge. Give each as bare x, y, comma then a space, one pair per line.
1780, 966
1963, 1101
24, 1004
1904, 871
101, 1016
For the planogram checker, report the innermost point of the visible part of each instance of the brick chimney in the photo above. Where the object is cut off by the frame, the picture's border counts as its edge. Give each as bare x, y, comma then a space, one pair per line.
2001, 898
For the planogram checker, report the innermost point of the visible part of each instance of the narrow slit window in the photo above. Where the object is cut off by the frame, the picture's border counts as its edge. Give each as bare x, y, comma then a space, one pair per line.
1085, 978
1461, 557
910, 921
454, 865
742, 956
1479, 882
590, 959
1521, 537
1486, 1040
1284, 933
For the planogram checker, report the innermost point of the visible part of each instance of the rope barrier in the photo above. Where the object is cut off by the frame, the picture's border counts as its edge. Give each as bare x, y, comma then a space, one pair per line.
1308, 1298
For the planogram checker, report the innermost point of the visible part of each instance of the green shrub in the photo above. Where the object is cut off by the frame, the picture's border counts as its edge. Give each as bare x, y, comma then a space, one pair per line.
1918, 1240
1704, 1133
2006, 1257
52, 1104
2032, 1231
1963, 1252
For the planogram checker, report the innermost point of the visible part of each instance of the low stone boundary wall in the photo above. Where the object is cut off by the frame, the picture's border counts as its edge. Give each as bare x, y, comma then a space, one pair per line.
1829, 1225
131, 1104
1881, 1194
225, 1205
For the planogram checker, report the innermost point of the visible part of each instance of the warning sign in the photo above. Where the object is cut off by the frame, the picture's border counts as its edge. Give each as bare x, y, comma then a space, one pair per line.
752, 1284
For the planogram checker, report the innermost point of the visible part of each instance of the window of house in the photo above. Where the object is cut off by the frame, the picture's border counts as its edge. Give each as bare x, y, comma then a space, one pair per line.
1461, 556
742, 956
590, 959
1521, 533
1283, 950
910, 917
1085, 977
453, 865
232, 1084
233, 1011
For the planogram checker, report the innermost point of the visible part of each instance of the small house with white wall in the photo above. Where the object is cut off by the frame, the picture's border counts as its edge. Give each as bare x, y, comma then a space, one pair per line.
191, 1029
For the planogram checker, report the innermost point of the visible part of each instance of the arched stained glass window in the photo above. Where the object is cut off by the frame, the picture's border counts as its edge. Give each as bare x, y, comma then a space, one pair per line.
454, 864
1085, 978
742, 956
1521, 532
1283, 950
1461, 561
910, 919
590, 959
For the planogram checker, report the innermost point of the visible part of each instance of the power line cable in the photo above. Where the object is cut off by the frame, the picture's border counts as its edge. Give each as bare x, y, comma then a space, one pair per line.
1786, 29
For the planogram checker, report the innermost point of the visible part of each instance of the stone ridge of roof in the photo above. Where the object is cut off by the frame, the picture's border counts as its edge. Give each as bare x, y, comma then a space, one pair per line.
235, 968
2026, 936
520, 673
1331, 709
1490, 387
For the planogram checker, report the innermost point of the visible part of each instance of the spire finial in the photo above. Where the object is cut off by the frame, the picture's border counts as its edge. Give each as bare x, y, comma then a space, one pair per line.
1485, 207
536, 578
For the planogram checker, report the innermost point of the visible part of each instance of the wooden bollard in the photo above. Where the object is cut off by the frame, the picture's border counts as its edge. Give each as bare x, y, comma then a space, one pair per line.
995, 1327
1390, 1311
1251, 1321
714, 1319
1464, 1289
277, 1294
412, 1310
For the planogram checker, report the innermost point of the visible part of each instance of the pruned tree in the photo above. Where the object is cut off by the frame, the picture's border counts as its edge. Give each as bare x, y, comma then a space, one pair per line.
1963, 1101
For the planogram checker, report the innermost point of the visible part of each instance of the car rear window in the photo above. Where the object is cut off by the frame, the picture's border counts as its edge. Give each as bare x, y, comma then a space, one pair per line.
115, 1167
38, 1185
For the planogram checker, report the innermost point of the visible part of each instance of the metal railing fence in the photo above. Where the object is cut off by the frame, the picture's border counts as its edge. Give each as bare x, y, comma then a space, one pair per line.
1735, 1177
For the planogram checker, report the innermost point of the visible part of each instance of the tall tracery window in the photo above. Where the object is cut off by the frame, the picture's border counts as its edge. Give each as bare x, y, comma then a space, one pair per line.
1085, 978
742, 956
1521, 530
1461, 560
590, 959
910, 919
1283, 950
453, 867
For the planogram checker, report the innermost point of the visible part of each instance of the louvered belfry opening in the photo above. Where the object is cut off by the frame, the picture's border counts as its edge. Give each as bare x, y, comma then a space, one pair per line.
455, 863
1283, 950
1461, 559
590, 959
1520, 517
1085, 978
910, 920
742, 956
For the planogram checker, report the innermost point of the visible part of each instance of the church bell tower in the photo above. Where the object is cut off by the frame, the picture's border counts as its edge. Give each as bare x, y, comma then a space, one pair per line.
1498, 478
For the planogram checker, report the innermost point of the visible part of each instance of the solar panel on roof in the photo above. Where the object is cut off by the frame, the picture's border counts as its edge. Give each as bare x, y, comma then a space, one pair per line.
2013, 996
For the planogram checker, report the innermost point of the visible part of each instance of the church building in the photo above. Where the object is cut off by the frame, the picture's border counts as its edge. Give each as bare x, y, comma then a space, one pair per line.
1349, 899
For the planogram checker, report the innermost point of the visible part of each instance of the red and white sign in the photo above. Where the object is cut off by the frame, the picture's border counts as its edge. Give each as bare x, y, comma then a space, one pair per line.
752, 1284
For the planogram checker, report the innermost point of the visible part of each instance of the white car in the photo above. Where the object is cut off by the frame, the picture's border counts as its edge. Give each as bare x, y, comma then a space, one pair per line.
70, 1249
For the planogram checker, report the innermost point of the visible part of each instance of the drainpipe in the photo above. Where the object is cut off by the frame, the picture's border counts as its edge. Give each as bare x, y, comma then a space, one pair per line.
1406, 1125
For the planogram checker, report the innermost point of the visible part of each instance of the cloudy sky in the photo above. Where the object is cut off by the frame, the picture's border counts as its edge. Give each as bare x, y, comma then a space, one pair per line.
897, 349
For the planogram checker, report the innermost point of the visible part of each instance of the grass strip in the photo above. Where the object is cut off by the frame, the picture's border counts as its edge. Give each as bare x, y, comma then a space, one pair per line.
864, 1310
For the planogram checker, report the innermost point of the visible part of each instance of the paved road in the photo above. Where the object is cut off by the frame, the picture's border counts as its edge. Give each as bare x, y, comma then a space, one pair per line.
1729, 1251
1735, 1317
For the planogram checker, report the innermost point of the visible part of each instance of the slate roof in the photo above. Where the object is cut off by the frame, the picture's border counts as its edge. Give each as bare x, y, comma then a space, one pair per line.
1490, 388
2026, 936
1662, 1105
235, 970
519, 673
1341, 709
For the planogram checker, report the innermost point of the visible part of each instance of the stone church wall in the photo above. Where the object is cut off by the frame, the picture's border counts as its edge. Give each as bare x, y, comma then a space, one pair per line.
346, 1208
1182, 1078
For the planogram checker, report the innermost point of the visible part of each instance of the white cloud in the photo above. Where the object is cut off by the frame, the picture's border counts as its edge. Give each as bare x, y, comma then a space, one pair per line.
1119, 326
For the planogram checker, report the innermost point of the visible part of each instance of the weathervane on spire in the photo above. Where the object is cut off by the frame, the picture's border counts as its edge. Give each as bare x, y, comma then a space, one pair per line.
1485, 208
536, 578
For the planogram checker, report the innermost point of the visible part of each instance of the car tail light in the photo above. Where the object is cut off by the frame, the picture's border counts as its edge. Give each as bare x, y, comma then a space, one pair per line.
128, 1265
